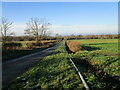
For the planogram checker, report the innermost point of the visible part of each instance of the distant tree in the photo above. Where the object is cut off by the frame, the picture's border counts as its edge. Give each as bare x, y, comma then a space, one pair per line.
80, 36
5, 29
58, 37
37, 27
56, 34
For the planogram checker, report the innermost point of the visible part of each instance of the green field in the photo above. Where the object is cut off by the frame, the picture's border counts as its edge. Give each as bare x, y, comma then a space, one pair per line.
97, 60
89, 41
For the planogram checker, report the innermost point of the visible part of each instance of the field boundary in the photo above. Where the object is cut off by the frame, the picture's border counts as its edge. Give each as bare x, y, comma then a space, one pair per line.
79, 73
17, 59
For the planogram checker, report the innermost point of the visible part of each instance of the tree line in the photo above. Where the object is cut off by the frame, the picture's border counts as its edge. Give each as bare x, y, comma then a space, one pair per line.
70, 37
105, 36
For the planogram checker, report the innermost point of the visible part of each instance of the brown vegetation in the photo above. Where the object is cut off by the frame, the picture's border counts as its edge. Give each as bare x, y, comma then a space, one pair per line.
73, 46
11, 50
28, 45
11, 46
106, 36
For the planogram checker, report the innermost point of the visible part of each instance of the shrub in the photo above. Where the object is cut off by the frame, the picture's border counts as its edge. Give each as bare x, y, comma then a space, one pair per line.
33, 45
11, 46
37, 44
53, 41
29, 45
46, 43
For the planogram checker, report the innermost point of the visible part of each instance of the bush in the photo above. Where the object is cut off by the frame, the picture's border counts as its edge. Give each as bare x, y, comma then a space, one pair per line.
33, 45
53, 41
37, 44
11, 45
46, 43
29, 45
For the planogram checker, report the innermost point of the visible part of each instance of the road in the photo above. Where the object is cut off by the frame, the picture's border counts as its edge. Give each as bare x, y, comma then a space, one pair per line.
13, 68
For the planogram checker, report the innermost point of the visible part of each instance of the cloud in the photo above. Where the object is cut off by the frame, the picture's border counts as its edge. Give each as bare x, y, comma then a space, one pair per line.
18, 28
85, 29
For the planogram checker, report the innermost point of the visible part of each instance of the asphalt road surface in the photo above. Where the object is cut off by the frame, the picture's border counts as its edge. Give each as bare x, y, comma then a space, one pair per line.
13, 68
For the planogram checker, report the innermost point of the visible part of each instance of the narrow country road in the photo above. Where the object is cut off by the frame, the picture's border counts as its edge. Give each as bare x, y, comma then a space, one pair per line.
13, 68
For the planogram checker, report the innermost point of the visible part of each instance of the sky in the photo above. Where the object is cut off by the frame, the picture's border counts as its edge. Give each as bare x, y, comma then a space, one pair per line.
66, 17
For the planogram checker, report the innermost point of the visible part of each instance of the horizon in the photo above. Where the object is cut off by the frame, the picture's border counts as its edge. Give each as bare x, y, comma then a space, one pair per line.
67, 18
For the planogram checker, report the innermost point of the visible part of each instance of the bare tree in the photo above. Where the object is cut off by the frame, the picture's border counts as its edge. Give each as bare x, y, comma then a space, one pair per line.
37, 27
5, 29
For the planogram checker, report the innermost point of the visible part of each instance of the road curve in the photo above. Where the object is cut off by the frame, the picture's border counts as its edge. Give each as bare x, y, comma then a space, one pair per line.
13, 68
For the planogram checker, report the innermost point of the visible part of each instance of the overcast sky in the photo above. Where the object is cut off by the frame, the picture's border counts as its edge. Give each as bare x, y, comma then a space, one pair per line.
66, 17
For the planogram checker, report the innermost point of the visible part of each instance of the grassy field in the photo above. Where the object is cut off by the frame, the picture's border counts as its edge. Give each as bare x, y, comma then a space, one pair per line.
54, 71
89, 41
99, 60
105, 46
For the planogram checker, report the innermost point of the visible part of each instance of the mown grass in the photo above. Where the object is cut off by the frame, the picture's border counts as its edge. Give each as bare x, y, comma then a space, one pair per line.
105, 46
90, 41
54, 71
99, 61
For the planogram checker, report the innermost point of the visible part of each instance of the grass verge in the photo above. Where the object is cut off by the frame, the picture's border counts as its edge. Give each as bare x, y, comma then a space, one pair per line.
54, 71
